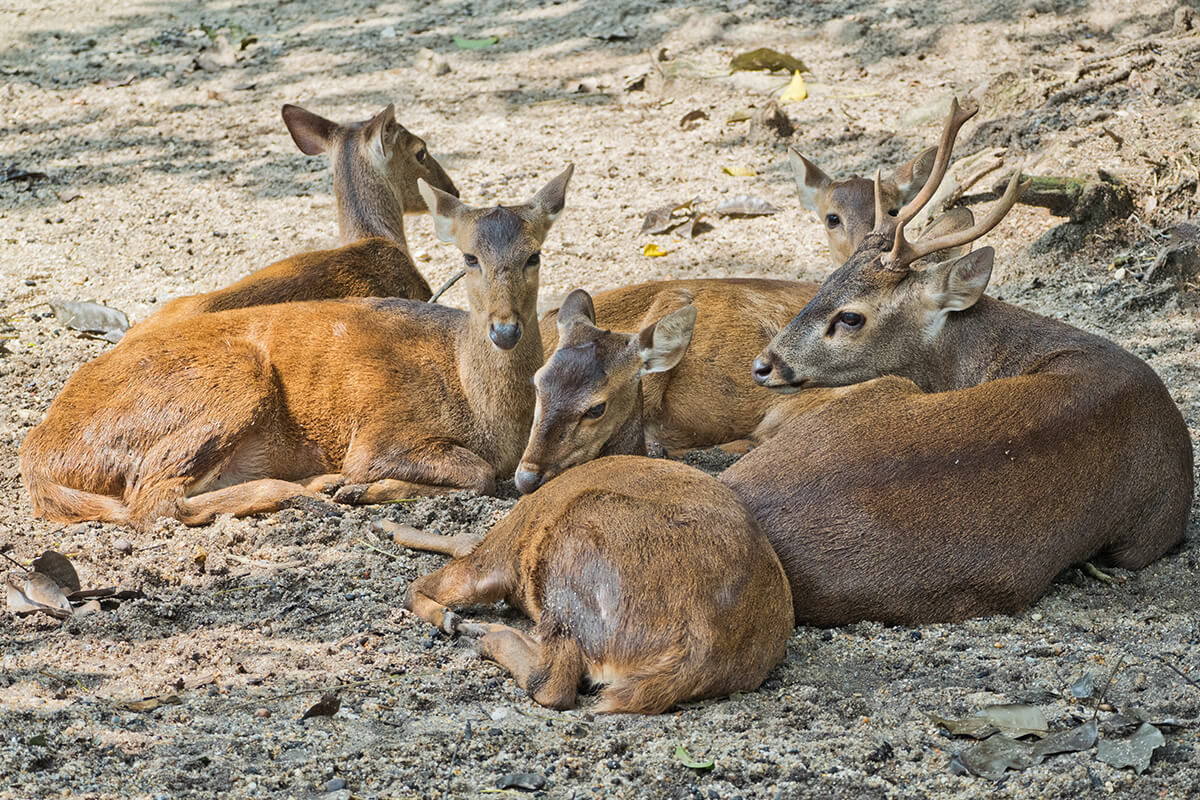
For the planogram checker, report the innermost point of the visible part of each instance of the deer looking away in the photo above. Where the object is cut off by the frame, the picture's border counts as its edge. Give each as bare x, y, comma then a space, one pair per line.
376, 166
237, 411
975, 449
594, 559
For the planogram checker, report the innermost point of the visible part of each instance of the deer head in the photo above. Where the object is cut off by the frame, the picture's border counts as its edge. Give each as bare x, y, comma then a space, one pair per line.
380, 147
589, 393
877, 315
847, 207
502, 250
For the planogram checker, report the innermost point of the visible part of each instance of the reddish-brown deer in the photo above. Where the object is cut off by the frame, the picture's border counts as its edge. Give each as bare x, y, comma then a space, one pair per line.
974, 451
846, 207
645, 575
237, 411
376, 166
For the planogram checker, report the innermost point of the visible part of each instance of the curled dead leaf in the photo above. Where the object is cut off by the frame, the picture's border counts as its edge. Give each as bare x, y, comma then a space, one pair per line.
746, 205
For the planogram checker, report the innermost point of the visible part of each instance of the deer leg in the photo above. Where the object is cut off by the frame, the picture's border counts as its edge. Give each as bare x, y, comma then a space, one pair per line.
243, 499
328, 483
549, 671
460, 583
377, 474
458, 546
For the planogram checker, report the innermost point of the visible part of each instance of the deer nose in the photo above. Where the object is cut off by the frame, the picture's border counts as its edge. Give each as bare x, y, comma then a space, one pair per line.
767, 365
528, 481
505, 335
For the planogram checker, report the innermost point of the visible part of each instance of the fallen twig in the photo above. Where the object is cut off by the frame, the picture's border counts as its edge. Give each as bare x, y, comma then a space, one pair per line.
320, 690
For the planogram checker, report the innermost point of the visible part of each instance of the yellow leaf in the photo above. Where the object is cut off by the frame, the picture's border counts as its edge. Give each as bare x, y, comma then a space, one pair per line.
653, 251
740, 172
795, 91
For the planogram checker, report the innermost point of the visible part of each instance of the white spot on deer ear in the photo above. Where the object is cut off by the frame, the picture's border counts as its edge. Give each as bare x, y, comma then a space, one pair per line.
442, 207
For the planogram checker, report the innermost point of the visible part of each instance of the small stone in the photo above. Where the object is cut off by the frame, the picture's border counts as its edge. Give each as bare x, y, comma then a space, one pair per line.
335, 784
499, 714
427, 60
1119, 274
388, 33
123, 546
262, 713
525, 781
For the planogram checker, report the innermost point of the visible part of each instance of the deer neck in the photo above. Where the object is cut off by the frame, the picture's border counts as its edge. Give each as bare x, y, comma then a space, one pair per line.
498, 385
367, 206
630, 438
990, 340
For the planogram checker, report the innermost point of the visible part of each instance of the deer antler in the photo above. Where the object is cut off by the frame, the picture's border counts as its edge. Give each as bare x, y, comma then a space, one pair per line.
904, 252
884, 224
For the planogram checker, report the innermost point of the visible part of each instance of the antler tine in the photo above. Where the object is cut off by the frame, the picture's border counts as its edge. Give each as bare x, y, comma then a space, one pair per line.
954, 122
923, 247
882, 220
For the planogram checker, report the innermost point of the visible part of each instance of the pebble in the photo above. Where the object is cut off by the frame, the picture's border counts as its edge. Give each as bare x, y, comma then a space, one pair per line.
335, 784
123, 546
262, 713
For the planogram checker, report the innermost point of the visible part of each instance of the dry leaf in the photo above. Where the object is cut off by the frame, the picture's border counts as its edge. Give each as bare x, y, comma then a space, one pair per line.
764, 58
795, 91
693, 227
663, 218
150, 703
739, 172
107, 323
59, 568
36, 591
746, 205
68, 195
738, 116
327, 706
1135, 751
653, 251
1012, 719
695, 115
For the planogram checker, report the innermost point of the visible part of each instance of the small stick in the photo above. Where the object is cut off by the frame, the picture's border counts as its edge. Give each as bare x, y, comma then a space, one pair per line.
1176, 670
321, 690
1107, 683
453, 280
365, 543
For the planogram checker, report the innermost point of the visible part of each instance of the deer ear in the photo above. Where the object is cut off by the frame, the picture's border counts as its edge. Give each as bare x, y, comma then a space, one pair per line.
910, 177
577, 307
957, 284
445, 208
552, 197
809, 179
662, 344
311, 132
381, 134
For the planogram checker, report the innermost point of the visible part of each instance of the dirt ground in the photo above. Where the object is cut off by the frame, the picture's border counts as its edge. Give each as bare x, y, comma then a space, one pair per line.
162, 179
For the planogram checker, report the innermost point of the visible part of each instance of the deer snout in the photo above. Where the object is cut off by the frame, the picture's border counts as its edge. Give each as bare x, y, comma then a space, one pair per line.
528, 480
505, 335
771, 371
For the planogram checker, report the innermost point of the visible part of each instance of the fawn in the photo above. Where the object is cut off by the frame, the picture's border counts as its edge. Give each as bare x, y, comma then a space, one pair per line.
238, 411
376, 166
661, 586
948, 453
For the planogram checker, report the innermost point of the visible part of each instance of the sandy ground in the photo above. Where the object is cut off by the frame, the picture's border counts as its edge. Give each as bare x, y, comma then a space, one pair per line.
165, 180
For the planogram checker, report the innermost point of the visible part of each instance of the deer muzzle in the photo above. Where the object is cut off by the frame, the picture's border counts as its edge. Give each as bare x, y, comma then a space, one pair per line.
505, 335
528, 480
772, 372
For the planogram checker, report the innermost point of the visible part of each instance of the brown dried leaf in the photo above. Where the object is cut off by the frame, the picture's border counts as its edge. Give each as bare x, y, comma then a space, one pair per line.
693, 116
150, 703
36, 591
764, 58
58, 567
327, 706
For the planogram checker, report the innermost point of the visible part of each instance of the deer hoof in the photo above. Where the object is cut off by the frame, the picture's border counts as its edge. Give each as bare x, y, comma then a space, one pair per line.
450, 623
351, 494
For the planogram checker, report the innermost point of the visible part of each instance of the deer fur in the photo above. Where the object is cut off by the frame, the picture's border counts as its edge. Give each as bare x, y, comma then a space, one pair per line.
239, 411
661, 588
973, 451
376, 165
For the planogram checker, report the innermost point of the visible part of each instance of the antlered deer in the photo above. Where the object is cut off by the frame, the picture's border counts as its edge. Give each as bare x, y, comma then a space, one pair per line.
642, 574
237, 411
974, 450
376, 166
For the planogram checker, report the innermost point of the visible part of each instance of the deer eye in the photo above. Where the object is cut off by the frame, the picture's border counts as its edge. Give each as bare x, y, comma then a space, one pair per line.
596, 411
850, 320
534, 260
893, 212
471, 261
832, 220
422, 154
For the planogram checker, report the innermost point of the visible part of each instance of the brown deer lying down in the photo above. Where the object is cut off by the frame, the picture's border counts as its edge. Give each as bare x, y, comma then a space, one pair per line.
1000, 448
644, 575
683, 386
376, 166
237, 411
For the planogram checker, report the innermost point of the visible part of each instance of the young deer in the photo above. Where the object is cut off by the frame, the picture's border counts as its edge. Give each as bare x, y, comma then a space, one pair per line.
237, 411
662, 587
847, 207
977, 450
604, 393
376, 166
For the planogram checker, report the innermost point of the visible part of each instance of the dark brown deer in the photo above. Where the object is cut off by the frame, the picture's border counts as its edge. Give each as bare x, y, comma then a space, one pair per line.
376, 166
974, 451
238, 411
645, 575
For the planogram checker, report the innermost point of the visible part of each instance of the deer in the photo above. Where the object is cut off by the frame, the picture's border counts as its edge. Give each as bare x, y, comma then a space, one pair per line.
948, 454
846, 207
372, 399
594, 560
678, 380
376, 166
